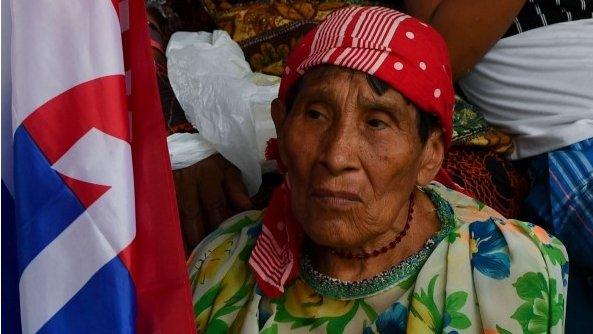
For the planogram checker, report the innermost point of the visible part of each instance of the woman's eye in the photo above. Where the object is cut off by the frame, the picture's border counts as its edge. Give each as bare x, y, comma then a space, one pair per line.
376, 123
313, 114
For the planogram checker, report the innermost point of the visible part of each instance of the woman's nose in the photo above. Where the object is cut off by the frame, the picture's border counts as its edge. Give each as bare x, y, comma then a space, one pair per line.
339, 153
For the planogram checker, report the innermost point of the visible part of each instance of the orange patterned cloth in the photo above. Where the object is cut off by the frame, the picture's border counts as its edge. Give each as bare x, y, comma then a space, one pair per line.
268, 30
248, 19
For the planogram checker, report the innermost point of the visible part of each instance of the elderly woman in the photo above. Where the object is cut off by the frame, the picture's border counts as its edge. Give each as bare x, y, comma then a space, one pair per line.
358, 239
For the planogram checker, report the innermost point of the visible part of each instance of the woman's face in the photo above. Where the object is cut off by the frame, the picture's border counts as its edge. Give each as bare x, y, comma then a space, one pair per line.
353, 156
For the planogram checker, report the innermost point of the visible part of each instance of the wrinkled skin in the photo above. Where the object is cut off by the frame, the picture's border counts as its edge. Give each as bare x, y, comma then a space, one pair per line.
208, 192
353, 158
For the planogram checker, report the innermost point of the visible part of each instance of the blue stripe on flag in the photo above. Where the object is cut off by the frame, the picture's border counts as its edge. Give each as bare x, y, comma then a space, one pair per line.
11, 316
45, 206
106, 304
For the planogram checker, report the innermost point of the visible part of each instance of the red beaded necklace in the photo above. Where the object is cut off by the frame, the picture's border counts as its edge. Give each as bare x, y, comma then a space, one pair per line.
382, 250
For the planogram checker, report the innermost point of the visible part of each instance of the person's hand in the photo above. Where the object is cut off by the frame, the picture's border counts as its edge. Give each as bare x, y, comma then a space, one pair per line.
208, 192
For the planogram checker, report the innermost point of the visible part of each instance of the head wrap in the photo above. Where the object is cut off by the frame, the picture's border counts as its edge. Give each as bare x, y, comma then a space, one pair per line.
404, 52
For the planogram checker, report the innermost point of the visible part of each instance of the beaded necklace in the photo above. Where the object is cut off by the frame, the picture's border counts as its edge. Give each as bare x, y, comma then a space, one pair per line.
346, 290
365, 255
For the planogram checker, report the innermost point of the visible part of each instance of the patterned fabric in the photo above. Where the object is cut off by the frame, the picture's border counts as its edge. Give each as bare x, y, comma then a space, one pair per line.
404, 52
561, 199
268, 30
485, 262
277, 252
470, 129
247, 19
266, 53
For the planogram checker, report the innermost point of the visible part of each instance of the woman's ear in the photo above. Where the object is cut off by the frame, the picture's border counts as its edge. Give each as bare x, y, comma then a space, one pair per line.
432, 157
278, 115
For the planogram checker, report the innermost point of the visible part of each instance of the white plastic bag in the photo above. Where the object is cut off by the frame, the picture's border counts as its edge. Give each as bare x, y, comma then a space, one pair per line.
185, 149
221, 97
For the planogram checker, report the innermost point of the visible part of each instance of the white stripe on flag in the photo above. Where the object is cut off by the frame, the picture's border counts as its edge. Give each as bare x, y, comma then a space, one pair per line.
6, 131
61, 269
55, 48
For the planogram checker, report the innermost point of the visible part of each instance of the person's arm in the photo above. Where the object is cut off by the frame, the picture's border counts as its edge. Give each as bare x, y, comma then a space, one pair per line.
470, 27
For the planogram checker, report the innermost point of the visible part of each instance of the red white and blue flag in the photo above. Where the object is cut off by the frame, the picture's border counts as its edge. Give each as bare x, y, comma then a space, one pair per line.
97, 237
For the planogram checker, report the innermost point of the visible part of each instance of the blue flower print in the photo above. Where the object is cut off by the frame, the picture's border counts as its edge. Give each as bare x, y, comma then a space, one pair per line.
255, 230
393, 320
489, 250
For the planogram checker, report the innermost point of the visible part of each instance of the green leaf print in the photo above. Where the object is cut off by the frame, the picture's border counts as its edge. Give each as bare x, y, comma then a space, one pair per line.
226, 310
557, 309
523, 315
479, 205
271, 330
456, 300
243, 291
427, 299
217, 326
408, 282
337, 325
246, 252
453, 304
303, 322
460, 321
543, 306
370, 312
538, 324
554, 254
531, 285
207, 299
452, 236
502, 330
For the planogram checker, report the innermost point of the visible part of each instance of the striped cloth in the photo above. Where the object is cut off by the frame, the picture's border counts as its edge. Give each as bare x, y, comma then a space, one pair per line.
540, 13
562, 198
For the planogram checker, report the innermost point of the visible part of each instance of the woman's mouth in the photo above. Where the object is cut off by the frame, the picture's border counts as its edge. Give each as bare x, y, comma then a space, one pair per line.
337, 199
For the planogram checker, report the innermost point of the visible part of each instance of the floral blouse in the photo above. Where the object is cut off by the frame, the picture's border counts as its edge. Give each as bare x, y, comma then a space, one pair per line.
479, 273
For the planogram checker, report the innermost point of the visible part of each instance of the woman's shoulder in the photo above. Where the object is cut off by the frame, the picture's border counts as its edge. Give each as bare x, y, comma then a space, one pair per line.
229, 245
467, 209
218, 268
487, 231
488, 260
245, 223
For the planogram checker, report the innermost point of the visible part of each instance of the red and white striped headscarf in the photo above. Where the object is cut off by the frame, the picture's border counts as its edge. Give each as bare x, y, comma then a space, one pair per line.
404, 52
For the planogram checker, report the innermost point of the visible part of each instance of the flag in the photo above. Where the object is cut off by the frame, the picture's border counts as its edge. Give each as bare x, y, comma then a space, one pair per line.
98, 241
